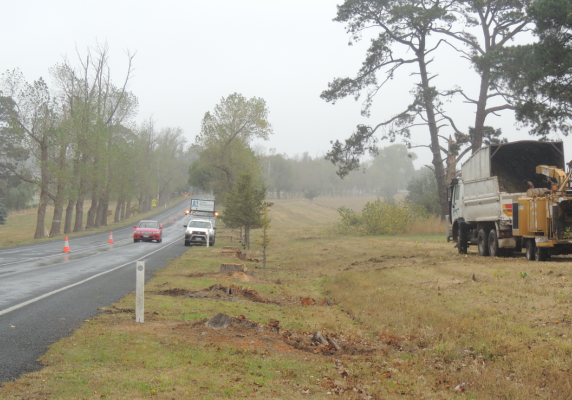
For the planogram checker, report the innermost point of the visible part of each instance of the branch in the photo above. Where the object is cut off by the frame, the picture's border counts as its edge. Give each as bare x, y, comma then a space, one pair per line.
499, 108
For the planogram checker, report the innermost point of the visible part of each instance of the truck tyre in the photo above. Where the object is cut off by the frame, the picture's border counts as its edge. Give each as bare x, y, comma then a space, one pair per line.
493, 244
530, 250
540, 254
483, 243
462, 242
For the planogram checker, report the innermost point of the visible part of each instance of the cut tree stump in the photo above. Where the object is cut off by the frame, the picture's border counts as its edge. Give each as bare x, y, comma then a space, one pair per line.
232, 268
220, 321
319, 338
335, 343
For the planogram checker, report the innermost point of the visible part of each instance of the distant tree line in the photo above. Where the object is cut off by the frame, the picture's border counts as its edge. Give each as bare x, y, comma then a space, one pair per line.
384, 175
77, 140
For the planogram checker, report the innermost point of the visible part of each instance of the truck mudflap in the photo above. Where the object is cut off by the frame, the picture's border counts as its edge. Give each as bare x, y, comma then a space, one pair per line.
507, 243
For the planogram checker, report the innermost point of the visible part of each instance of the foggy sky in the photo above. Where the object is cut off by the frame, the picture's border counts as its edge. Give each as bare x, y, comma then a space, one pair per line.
190, 54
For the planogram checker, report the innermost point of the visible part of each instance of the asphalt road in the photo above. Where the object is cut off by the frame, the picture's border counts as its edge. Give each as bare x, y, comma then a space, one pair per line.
46, 294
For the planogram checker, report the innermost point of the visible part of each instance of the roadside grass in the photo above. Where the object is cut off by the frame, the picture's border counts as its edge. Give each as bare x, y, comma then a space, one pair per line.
412, 321
21, 225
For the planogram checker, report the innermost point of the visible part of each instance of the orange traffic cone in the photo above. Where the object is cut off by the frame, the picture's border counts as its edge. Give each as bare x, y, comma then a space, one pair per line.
169, 221
175, 218
66, 246
110, 237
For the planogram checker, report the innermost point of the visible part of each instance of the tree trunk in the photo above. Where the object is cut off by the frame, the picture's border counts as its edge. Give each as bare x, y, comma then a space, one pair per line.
69, 216
78, 225
104, 208
41, 213
451, 164
117, 216
480, 115
128, 209
433, 131
43, 190
58, 211
264, 249
247, 236
92, 212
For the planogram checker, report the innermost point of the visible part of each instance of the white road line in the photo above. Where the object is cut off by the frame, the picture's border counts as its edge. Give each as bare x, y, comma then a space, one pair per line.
17, 306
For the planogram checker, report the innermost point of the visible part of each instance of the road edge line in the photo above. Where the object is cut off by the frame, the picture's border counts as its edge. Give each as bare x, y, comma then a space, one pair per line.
31, 301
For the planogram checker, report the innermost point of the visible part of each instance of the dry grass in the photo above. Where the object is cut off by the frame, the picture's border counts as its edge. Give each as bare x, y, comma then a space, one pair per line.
408, 303
433, 226
21, 225
354, 203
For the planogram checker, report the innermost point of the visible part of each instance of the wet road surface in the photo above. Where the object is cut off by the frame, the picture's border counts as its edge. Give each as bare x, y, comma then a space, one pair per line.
45, 294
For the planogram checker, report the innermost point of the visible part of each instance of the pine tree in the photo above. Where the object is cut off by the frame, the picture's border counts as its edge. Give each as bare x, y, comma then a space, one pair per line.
243, 204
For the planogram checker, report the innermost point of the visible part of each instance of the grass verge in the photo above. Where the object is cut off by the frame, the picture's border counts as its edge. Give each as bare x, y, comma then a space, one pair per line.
21, 225
414, 320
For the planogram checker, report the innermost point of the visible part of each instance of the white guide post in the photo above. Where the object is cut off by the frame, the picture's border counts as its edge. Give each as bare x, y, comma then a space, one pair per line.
207, 239
140, 291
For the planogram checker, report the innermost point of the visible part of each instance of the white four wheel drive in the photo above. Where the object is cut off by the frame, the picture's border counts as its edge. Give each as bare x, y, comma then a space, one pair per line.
199, 231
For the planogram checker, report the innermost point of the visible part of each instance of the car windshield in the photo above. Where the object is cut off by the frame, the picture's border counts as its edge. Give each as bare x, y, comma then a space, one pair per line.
200, 224
149, 224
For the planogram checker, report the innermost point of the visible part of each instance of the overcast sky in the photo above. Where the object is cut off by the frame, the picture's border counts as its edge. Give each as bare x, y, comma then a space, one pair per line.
190, 54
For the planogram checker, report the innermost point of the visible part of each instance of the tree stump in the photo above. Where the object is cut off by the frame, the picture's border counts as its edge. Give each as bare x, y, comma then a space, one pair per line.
232, 268
319, 338
220, 321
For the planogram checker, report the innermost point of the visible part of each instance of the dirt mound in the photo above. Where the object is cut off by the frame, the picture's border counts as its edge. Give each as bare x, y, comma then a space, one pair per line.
115, 310
223, 321
219, 292
174, 292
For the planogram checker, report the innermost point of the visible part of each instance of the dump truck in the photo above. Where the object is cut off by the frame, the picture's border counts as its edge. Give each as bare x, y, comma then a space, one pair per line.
511, 196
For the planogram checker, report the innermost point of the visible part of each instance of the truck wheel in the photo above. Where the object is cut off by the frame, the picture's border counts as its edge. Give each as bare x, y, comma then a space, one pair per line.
462, 242
540, 254
483, 243
493, 244
530, 250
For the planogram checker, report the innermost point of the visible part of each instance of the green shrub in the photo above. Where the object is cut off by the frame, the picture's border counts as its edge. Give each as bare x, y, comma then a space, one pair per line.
3, 214
381, 218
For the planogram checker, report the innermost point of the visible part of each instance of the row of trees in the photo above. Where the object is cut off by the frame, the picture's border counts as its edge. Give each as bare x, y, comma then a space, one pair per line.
532, 80
384, 175
76, 140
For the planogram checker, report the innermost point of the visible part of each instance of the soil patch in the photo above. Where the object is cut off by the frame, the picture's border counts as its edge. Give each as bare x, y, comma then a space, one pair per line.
115, 310
246, 335
219, 292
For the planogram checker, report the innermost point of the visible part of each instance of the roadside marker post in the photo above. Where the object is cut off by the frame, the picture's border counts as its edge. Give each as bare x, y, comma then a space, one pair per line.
208, 239
140, 292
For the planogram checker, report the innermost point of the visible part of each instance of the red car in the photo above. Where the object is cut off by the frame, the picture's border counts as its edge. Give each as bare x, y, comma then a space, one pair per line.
148, 231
